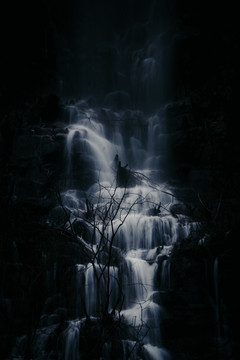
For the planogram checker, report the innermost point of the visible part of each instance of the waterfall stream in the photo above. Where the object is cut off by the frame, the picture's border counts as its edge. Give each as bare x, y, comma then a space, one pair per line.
132, 229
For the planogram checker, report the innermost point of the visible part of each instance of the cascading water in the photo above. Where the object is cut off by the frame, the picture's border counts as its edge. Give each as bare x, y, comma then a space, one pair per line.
132, 232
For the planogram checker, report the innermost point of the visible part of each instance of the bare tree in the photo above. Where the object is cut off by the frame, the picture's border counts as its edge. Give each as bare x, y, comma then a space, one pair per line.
107, 209
106, 212
105, 215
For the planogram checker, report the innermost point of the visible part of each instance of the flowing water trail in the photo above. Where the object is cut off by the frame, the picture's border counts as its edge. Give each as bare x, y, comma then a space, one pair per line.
132, 228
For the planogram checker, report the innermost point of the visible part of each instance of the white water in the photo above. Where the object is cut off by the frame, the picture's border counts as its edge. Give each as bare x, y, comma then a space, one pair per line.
140, 237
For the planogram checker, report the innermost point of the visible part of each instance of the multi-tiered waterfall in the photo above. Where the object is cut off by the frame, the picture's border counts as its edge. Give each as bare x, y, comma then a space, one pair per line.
130, 231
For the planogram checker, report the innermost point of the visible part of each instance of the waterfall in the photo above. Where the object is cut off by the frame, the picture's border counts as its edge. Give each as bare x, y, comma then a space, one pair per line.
132, 230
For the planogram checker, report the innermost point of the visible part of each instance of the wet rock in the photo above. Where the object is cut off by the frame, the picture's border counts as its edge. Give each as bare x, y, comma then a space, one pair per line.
53, 303
48, 320
126, 177
42, 131
60, 130
60, 139
180, 208
81, 228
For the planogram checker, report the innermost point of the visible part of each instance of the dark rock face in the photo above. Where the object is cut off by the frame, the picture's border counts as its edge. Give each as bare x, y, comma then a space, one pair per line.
204, 153
202, 120
31, 160
199, 302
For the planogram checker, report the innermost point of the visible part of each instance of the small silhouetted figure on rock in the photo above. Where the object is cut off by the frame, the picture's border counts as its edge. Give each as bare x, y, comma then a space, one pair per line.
158, 208
116, 161
123, 174
120, 165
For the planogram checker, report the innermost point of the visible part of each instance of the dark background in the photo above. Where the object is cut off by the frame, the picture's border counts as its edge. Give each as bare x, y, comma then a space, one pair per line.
52, 50
74, 47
